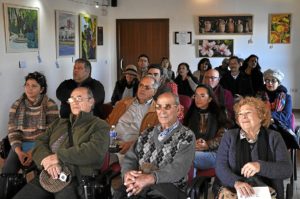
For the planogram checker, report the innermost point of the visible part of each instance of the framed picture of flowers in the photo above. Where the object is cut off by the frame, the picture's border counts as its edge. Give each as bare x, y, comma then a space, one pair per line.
88, 36
215, 47
280, 28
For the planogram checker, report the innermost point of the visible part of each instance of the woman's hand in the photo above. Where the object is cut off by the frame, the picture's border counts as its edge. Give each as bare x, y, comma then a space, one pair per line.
201, 145
250, 169
244, 188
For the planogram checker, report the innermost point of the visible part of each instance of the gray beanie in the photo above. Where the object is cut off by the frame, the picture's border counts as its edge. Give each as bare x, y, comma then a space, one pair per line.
274, 73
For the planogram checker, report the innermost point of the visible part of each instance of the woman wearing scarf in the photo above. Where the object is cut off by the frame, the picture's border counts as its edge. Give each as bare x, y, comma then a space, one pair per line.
207, 120
252, 154
29, 117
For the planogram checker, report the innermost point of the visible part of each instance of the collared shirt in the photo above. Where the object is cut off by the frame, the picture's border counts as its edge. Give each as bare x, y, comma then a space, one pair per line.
167, 131
129, 124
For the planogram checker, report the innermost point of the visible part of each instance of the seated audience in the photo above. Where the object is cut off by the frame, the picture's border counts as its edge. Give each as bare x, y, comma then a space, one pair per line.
223, 68
29, 117
203, 66
252, 68
81, 77
127, 86
208, 121
185, 80
237, 81
167, 67
252, 154
161, 158
133, 115
52, 152
224, 96
142, 65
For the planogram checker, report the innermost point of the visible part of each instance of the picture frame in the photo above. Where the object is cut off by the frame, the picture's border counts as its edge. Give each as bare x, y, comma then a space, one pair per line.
65, 33
21, 28
100, 36
280, 28
215, 47
226, 24
88, 36
183, 37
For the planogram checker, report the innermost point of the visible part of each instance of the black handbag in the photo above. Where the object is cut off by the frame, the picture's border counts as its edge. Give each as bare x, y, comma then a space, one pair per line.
10, 184
4, 147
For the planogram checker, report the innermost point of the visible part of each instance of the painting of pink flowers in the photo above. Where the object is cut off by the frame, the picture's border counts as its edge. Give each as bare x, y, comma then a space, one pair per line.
215, 47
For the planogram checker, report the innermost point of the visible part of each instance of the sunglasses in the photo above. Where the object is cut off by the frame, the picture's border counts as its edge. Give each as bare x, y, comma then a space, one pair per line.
167, 107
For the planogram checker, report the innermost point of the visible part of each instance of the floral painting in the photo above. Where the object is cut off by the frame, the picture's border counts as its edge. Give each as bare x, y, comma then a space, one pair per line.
88, 36
280, 28
215, 47
65, 33
21, 28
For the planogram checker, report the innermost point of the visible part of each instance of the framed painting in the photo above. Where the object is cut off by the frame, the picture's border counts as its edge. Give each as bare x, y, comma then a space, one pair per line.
21, 28
65, 33
226, 24
215, 47
100, 36
280, 28
88, 36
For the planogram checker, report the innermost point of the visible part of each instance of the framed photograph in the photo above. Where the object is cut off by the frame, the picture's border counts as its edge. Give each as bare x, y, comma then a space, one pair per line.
183, 37
215, 47
88, 36
226, 24
65, 33
21, 28
100, 36
280, 28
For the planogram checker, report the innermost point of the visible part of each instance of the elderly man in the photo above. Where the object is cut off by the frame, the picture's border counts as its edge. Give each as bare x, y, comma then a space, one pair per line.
224, 96
133, 115
53, 150
161, 157
81, 77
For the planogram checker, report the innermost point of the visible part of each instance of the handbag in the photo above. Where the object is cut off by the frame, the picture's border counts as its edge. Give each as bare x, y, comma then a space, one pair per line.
55, 185
10, 184
4, 147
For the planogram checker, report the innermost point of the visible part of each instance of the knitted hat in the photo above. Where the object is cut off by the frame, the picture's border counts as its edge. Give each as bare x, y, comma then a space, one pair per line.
131, 70
274, 73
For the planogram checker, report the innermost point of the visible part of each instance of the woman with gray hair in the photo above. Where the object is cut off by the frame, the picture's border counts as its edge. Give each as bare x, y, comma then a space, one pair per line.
280, 101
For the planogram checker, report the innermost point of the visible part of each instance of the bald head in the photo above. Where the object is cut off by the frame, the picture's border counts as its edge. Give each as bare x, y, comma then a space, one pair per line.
211, 78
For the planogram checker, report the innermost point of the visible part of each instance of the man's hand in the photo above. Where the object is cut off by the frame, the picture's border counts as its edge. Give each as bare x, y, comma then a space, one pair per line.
24, 158
124, 146
136, 181
49, 161
54, 171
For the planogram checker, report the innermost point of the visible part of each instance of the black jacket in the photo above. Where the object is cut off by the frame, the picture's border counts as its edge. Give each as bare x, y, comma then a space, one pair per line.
120, 87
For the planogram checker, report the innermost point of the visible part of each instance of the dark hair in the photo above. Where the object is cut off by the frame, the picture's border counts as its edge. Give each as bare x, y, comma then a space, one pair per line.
245, 63
202, 61
170, 65
187, 67
87, 64
213, 107
39, 78
156, 66
234, 57
143, 55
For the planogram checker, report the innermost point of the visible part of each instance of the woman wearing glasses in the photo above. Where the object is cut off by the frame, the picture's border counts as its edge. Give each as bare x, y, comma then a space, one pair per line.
29, 117
207, 120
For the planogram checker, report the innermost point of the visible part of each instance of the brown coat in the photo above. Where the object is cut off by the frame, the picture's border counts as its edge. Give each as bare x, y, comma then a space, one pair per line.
149, 120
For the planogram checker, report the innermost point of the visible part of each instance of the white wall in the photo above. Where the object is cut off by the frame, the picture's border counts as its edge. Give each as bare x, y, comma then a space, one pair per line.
182, 15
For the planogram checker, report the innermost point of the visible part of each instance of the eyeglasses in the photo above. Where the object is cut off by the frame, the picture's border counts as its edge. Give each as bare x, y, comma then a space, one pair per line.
154, 74
213, 78
273, 81
146, 87
77, 99
167, 107
244, 114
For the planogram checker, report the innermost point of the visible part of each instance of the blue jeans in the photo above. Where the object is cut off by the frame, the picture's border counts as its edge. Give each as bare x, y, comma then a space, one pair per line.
204, 160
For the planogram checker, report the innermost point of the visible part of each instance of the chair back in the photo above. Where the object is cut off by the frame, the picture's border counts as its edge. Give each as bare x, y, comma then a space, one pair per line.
185, 101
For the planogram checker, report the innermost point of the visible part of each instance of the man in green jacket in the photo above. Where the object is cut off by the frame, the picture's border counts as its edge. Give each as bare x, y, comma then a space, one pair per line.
52, 151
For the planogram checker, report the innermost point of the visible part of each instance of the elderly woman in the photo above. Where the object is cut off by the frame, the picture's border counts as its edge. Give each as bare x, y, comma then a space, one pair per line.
29, 117
252, 152
207, 120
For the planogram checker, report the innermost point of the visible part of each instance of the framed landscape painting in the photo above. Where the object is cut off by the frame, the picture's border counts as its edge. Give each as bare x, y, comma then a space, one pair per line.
280, 28
215, 47
65, 33
21, 28
88, 36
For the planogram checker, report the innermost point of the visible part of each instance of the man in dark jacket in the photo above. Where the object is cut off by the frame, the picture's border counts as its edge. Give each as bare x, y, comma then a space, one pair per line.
81, 77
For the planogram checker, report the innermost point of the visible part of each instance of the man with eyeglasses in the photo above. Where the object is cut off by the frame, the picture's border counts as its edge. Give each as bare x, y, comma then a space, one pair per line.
81, 77
133, 115
224, 96
160, 159
53, 152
